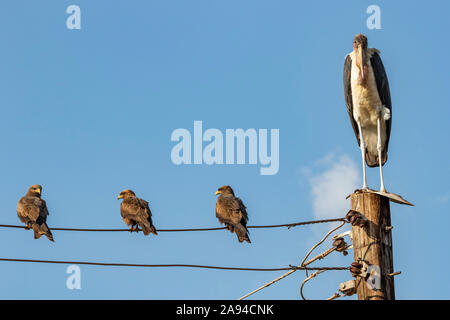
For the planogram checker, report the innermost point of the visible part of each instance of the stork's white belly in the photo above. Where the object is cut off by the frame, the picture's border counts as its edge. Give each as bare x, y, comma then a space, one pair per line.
367, 108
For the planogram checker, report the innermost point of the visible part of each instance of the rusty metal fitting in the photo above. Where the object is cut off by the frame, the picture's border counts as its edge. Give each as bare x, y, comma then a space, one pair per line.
393, 274
340, 244
356, 218
356, 268
348, 288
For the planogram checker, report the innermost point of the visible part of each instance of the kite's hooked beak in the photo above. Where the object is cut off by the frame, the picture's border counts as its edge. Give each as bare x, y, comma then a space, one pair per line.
217, 192
120, 196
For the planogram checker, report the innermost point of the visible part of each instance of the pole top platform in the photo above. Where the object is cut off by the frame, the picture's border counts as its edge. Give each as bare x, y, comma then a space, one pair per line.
391, 196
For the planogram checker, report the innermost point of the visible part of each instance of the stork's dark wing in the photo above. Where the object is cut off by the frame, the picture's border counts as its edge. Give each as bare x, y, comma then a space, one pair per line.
348, 94
383, 89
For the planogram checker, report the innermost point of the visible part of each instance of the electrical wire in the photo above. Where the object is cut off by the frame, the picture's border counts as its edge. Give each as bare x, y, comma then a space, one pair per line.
287, 225
290, 269
109, 264
303, 265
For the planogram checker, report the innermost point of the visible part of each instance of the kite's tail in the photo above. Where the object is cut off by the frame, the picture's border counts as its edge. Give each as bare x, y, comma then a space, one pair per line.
148, 228
242, 233
41, 229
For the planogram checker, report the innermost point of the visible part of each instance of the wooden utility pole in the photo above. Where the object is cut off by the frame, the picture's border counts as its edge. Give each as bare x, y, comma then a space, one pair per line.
372, 244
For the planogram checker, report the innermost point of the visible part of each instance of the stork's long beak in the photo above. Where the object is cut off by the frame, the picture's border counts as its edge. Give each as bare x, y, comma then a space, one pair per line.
362, 61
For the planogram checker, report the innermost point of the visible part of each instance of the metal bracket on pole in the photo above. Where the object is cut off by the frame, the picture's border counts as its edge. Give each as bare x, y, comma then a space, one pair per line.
348, 288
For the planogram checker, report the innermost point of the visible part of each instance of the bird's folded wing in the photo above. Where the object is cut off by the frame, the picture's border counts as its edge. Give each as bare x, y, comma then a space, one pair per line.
29, 208
228, 209
348, 94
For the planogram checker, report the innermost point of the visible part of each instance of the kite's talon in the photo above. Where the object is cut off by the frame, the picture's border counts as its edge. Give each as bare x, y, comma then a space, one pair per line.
27, 227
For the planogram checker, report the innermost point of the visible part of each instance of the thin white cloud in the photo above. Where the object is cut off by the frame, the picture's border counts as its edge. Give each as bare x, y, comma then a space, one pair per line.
338, 177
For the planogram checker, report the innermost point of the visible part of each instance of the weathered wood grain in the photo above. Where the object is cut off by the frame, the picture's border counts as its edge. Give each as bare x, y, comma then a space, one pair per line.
373, 244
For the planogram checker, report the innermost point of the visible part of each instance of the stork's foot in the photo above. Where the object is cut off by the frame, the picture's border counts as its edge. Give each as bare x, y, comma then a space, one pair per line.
383, 189
363, 189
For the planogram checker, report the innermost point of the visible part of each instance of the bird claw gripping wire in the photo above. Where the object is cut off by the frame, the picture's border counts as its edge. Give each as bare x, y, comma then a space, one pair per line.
356, 218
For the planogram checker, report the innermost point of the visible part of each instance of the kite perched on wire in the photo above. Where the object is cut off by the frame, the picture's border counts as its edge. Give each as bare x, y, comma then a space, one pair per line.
136, 212
232, 212
32, 210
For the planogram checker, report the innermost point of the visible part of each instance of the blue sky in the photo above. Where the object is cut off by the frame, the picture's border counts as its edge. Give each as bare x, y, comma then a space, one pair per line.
87, 113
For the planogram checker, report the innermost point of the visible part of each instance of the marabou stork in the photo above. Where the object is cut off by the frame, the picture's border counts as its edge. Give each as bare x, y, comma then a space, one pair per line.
368, 102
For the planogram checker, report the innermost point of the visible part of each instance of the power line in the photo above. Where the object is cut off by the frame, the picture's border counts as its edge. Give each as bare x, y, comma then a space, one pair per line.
303, 265
169, 265
318, 244
287, 225
312, 275
291, 268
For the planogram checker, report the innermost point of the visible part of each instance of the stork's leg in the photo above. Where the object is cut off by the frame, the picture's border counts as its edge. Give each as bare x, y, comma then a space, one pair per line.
382, 188
362, 144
